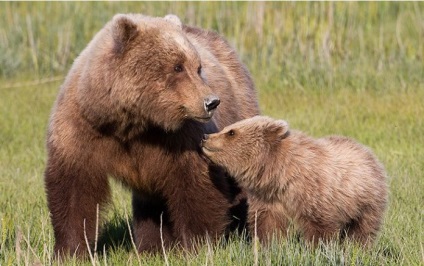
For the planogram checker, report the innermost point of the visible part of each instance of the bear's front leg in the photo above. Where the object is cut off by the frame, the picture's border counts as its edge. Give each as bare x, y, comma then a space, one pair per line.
76, 192
266, 221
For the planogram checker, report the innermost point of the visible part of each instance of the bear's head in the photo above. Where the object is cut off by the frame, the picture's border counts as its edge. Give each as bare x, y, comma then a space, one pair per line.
142, 71
247, 149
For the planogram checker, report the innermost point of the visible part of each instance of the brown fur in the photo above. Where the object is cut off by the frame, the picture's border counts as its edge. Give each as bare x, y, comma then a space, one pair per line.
325, 187
133, 107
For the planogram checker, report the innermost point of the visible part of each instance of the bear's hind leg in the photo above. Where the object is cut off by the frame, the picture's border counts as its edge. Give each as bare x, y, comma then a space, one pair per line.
151, 225
314, 232
76, 194
365, 229
197, 210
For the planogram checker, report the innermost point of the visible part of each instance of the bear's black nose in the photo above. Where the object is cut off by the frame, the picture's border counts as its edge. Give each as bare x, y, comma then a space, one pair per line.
205, 136
211, 103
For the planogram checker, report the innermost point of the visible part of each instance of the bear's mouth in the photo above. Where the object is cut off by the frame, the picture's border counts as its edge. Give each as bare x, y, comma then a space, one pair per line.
208, 149
203, 119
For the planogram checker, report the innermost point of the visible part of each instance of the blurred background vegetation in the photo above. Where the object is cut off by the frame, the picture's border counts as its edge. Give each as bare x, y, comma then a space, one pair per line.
320, 43
351, 68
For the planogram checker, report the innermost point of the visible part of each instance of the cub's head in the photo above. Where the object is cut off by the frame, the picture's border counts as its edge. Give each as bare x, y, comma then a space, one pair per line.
246, 147
143, 70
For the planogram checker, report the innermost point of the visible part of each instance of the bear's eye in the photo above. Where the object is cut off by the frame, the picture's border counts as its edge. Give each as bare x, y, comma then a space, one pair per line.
199, 70
178, 68
231, 133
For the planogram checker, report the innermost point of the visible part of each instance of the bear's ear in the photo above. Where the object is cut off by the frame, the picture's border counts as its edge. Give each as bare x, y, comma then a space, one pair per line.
174, 19
123, 31
276, 130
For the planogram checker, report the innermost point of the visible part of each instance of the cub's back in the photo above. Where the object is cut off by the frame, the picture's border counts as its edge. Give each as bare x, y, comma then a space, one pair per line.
356, 164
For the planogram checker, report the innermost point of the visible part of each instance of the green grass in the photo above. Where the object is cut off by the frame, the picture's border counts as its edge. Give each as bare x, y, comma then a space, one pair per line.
345, 68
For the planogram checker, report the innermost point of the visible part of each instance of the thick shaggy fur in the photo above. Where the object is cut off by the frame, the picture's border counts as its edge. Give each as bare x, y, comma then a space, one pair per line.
325, 187
133, 107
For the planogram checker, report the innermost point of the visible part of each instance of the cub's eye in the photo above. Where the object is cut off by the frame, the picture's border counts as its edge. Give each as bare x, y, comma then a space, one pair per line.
178, 68
231, 133
199, 70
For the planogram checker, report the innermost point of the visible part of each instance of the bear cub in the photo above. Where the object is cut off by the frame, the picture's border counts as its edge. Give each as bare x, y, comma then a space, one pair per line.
327, 187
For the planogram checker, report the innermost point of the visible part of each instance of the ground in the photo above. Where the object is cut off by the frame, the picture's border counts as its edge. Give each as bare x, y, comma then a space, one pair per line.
370, 87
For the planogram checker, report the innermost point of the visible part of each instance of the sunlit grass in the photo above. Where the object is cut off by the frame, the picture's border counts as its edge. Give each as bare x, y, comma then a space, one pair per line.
327, 68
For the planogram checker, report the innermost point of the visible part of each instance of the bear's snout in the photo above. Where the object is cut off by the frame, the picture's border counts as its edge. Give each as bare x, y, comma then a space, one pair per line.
203, 141
211, 103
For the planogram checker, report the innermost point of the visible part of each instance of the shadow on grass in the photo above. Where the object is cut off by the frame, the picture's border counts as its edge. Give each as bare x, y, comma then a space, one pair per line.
390, 253
115, 235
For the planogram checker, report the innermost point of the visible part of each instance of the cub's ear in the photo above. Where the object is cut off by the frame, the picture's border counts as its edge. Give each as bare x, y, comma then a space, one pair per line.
124, 29
277, 130
174, 19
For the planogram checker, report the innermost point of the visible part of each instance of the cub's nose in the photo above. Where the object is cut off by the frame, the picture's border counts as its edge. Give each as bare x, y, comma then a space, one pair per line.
211, 102
205, 137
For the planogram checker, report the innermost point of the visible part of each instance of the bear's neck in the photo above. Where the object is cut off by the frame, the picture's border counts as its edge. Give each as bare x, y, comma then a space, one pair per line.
186, 138
275, 173
263, 179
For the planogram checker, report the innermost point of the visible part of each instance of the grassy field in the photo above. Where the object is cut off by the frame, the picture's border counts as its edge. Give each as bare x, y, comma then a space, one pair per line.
355, 69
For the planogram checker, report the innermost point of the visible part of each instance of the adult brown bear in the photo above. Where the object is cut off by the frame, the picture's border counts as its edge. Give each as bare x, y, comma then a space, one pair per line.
135, 106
